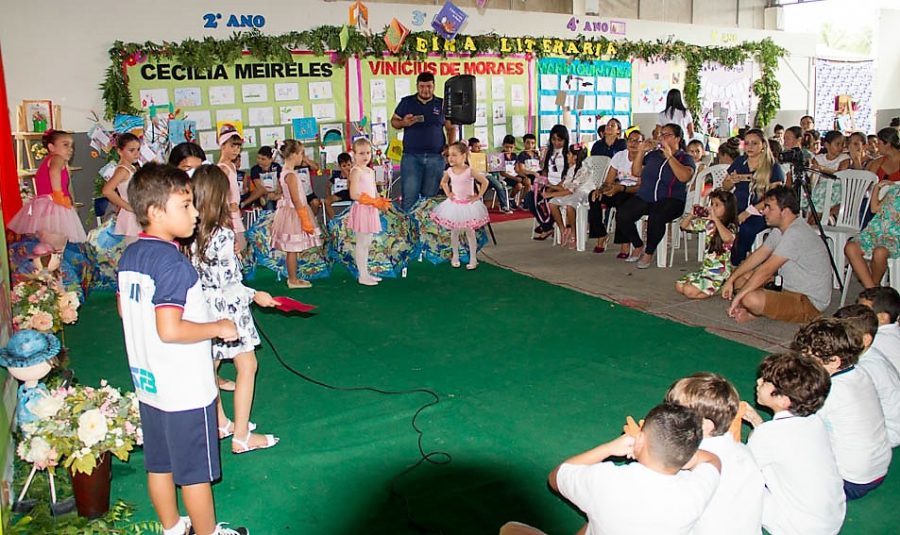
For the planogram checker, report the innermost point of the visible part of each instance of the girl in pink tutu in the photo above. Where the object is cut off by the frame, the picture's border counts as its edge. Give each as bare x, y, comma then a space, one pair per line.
364, 219
230, 144
116, 188
463, 210
294, 229
50, 214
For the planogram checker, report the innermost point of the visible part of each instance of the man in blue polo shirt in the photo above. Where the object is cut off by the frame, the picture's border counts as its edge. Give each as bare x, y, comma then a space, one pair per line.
421, 116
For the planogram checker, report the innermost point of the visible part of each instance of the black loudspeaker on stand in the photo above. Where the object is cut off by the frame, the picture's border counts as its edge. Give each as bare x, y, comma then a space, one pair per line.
459, 99
459, 109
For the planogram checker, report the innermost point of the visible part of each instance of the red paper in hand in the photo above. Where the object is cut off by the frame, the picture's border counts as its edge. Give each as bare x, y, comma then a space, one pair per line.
286, 304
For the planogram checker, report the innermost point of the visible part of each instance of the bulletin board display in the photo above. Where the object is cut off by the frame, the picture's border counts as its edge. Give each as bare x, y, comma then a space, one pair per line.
578, 94
261, 99
504, 93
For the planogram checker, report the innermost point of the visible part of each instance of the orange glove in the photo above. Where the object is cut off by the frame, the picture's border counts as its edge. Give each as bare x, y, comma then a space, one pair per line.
382, 203
365, 198
631, 427
735, 427
306, 221
61, 199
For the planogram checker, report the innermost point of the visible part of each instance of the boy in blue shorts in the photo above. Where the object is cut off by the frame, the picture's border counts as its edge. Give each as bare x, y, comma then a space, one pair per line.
168, 328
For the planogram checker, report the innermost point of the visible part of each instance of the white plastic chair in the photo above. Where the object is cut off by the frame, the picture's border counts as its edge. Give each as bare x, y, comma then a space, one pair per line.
855, 186
717, 174
597, 166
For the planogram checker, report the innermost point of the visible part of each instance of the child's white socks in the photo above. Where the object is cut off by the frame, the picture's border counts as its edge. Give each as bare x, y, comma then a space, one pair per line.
180, 528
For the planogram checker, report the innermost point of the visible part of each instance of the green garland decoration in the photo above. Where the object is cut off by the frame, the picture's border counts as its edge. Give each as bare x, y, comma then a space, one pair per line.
210, 51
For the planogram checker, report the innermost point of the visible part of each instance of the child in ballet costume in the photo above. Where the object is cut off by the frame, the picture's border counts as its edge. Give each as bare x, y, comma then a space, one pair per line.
294, 229
364, 219
49, 214
220, 276
116, 188
463, 210
230, 144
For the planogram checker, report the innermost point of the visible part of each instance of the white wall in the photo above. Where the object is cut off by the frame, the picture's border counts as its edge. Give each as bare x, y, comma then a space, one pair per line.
67, 64
887, 66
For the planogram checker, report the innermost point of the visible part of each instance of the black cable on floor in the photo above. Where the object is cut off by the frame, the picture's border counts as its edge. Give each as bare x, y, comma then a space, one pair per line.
436, 457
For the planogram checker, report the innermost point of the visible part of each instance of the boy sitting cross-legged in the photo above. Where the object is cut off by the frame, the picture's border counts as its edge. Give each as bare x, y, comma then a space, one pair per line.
664, 492
736, 507
804, 491
852, 412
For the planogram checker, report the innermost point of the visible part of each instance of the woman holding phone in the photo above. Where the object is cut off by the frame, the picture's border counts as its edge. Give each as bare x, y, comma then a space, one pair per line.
749, 177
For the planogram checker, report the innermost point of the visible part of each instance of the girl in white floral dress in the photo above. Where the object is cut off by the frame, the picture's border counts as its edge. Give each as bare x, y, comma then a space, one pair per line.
220, 276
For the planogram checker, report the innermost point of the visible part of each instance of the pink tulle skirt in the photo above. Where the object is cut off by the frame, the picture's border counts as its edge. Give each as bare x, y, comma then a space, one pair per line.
126, 224
288, 235
41, 214
461, 215
364, 218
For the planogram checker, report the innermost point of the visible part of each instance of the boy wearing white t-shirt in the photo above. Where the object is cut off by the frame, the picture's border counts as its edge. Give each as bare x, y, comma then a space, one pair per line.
736, 507
664, 492
804, 491
885, 301
883, 374
168, 327
852, 412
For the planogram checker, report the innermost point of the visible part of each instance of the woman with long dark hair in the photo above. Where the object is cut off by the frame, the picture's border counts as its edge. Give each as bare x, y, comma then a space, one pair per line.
554, 166
676, 112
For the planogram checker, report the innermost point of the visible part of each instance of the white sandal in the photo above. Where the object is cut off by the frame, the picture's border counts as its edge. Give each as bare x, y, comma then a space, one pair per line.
271, 440
227, 430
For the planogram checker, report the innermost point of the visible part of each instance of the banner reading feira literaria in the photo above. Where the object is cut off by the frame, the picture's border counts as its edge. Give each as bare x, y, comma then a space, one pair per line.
504, 92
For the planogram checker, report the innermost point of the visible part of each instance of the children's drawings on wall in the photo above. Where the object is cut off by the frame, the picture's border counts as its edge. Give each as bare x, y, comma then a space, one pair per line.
261, 116
320, 91
221, 95
254, 93
188, 97
200, 117
378, 89
154, 97
287, 114
287, 91
229, 115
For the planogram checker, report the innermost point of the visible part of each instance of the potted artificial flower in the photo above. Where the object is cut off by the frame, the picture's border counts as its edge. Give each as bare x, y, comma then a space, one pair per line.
81, 427
39, 300
39, 121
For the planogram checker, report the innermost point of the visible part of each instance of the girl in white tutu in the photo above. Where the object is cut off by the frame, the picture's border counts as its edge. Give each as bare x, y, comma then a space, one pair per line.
294, 229
463, 210
364, 219
569, 194
116, 188
50, 214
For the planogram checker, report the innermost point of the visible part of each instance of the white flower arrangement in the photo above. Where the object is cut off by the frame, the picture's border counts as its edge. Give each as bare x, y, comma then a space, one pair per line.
78, 424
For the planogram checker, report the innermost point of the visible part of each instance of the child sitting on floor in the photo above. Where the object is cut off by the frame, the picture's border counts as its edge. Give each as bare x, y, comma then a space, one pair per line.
804, 492
736, 507
883, 374
852, 412
665, 491
719, 222
885, 302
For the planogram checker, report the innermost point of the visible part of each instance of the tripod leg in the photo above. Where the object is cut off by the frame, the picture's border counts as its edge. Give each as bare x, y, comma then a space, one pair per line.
27, 483
491, 232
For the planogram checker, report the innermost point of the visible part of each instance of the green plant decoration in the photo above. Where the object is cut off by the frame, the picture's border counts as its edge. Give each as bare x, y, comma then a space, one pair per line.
210, 51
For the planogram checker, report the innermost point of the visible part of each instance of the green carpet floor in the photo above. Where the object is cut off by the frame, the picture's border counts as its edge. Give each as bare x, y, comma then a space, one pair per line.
527, 373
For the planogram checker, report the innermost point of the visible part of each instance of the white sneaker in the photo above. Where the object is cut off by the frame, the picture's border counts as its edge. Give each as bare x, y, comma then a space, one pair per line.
222, 530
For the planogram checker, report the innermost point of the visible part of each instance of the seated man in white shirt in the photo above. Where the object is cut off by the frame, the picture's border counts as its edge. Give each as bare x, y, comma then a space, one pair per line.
664, 492
736, 507
885, 301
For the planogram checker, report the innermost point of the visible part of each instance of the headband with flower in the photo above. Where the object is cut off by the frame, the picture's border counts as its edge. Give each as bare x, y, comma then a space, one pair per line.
577, 147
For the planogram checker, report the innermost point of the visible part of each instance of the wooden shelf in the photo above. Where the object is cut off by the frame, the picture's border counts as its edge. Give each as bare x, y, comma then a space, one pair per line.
28, 135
